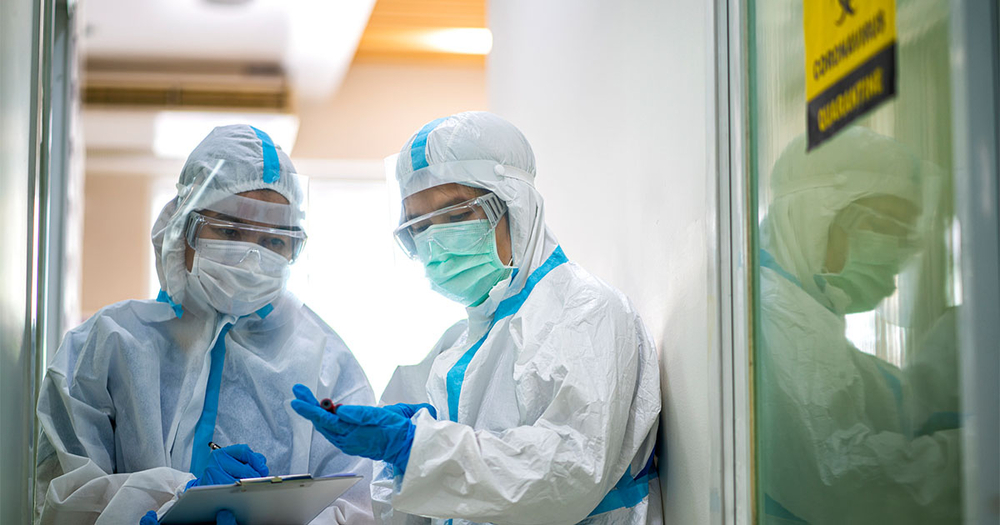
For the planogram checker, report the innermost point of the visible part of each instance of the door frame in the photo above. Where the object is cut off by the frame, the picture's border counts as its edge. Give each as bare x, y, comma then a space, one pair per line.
975, 77
733, 502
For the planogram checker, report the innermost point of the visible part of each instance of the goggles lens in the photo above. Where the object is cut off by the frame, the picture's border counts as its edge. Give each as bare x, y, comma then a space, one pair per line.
285, 242
860, 217
487, 207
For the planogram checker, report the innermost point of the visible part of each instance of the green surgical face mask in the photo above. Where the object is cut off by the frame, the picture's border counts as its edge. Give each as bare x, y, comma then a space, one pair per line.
869, 274
461, 260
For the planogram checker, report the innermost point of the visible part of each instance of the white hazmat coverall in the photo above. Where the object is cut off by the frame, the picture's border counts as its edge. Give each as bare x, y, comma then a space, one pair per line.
123, 395
554, 419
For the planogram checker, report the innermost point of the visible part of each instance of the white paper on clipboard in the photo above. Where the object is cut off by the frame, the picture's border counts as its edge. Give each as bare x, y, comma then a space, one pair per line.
261, 501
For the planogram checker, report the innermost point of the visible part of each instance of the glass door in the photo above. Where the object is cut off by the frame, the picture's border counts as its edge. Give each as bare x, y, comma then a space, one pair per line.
857, 281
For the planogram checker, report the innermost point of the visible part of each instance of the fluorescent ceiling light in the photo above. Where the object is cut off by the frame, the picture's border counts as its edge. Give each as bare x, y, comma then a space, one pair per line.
176, 133
463, 40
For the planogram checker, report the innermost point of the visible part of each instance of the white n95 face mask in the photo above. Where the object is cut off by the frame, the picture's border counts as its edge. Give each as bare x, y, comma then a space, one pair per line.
235, 277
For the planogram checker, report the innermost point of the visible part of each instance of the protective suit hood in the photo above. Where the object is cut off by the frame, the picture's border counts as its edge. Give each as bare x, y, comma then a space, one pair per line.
243, 159
809, 189
482, 150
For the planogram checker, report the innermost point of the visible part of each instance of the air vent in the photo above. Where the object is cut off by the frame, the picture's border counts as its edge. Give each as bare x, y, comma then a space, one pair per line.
185, 85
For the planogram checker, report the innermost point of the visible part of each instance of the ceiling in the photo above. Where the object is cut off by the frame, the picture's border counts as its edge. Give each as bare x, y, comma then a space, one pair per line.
219, 60
398, 30
179, 29
313, 41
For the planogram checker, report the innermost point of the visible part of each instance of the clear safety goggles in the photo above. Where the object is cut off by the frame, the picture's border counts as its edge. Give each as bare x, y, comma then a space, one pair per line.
861, 217
286, 242
487, 207
209, 210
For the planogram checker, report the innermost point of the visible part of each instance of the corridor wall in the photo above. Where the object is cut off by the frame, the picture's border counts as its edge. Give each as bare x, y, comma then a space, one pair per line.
617, 100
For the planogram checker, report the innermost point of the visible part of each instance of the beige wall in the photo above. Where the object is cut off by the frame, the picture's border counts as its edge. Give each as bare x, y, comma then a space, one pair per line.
115, 235
380, 105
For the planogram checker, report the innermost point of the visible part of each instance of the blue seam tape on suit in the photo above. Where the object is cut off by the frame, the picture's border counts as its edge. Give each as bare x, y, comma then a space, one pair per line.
768, 261
507, 307
164, 297
204, 430
629, 491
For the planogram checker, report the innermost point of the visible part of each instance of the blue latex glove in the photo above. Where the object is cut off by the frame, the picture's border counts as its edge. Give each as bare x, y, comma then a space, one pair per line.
223, 517
371, 432
408, 411
228, 464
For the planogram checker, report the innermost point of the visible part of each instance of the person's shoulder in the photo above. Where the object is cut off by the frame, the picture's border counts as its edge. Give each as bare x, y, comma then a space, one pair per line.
571, 289
778, 293
310, 324
137, 307
127, 313
121, 321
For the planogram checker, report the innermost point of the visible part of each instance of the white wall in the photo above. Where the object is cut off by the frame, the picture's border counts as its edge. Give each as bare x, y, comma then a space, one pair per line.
380, 104
616, 97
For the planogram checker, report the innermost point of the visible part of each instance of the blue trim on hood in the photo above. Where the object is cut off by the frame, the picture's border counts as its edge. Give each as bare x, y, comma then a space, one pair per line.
272, 167
418, 150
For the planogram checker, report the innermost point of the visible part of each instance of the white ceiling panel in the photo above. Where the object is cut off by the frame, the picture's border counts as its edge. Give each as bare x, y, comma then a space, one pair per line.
314, 40
187, 29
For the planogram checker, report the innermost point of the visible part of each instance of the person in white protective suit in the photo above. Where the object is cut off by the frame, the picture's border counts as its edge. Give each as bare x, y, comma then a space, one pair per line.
134, 396
845, 437
542, 407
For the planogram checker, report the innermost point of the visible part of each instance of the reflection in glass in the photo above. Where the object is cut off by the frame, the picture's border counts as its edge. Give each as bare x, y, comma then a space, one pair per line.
857, 416
844, 436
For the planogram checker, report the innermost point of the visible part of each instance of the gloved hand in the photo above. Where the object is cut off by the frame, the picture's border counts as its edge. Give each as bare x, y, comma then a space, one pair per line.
223, 517
408, 411
371, 432
228, 464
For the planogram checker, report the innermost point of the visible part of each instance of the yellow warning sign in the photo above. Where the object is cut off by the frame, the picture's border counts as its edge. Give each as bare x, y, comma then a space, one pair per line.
850, 61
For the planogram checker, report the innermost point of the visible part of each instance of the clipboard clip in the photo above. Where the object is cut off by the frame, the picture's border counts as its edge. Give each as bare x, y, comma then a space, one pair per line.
273, 479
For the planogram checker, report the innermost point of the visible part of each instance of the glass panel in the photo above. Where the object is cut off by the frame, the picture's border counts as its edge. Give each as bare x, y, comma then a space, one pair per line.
855, 368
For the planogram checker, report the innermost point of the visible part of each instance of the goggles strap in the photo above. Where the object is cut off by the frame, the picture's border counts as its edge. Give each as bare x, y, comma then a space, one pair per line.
493, 207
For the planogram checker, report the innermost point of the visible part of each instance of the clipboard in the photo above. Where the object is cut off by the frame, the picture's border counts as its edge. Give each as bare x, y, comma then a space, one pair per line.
295, 499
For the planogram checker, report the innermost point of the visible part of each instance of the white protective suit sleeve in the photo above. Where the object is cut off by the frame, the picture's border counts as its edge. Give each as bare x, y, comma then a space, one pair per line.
570, 362
77, 447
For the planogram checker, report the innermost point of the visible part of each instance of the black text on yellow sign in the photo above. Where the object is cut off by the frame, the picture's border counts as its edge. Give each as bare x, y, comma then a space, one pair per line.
850, 61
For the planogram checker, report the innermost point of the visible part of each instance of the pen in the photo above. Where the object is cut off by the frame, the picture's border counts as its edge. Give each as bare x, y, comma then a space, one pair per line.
213, 446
